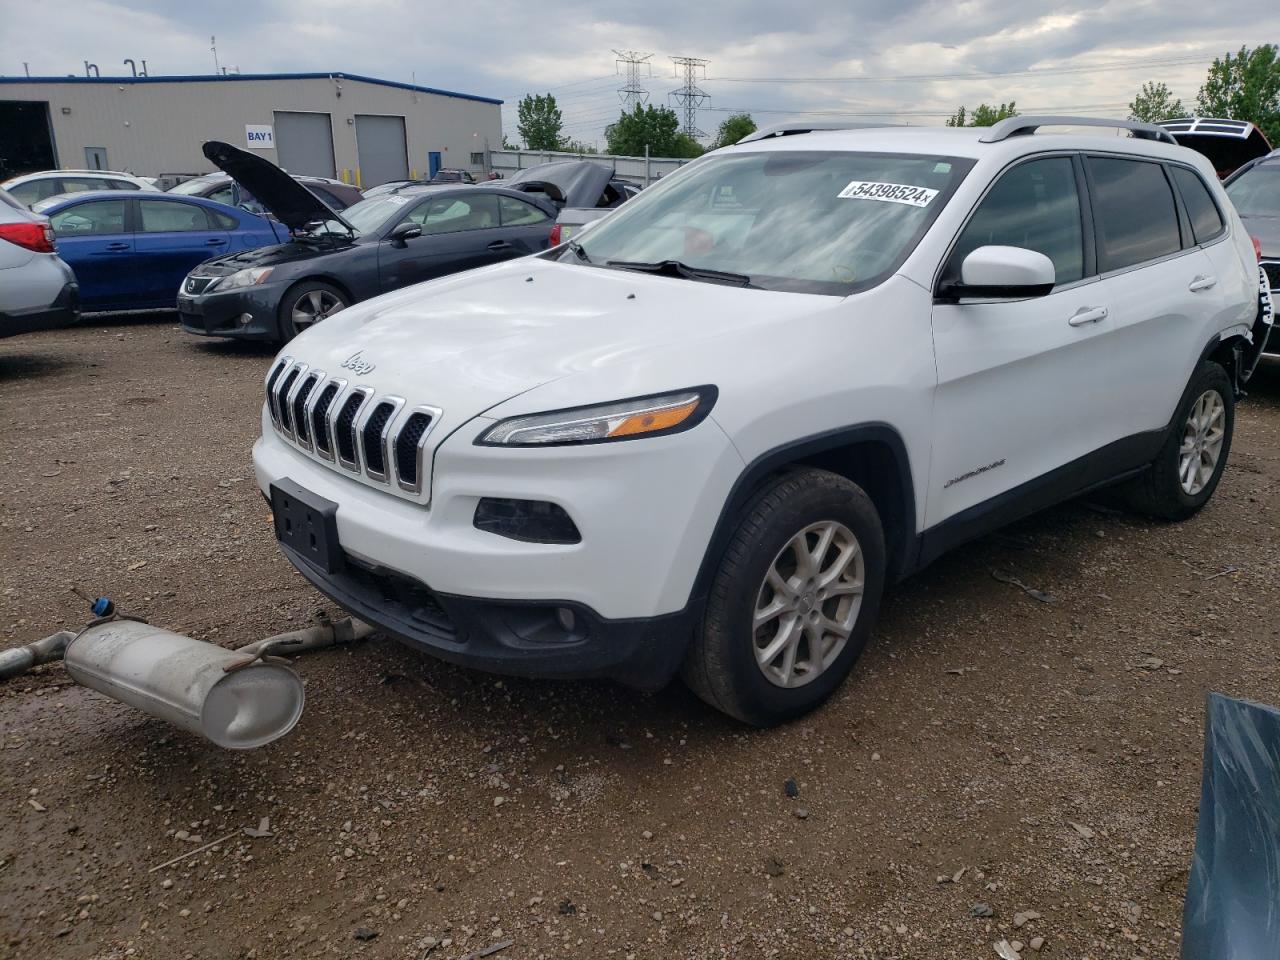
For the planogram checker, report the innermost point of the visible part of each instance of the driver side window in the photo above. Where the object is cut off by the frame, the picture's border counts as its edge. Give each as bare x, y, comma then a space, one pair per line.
1035, 206
454, 214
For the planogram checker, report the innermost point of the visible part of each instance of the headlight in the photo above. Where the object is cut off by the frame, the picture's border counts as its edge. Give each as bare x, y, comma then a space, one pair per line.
243, 278
624, 420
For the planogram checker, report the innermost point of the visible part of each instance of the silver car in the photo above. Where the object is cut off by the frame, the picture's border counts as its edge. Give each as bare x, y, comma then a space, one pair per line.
37, 290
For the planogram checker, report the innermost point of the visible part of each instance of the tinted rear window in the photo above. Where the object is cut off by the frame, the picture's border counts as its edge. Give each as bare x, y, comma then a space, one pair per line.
1134, 211
1206, 221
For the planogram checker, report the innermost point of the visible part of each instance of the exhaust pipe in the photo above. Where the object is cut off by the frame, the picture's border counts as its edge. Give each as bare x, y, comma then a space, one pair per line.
198, 686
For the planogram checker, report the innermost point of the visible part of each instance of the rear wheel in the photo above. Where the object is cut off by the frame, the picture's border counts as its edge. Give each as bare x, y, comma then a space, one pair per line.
1186, 472
793, 601
308, 303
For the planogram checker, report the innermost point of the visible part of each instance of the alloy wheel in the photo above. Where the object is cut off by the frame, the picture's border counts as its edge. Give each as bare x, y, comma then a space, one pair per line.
808, 604
314, 306
1202, 437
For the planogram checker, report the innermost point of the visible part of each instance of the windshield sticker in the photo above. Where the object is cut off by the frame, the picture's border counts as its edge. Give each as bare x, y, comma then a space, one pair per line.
889, 193
398, 201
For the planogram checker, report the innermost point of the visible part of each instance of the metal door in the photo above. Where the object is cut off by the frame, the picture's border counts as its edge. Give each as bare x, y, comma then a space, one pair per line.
433, 163
95, 158
304, 143
381, 149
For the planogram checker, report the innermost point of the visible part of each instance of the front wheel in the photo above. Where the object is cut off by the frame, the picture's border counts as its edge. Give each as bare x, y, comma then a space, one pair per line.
306, 304
1184, 475
793, 601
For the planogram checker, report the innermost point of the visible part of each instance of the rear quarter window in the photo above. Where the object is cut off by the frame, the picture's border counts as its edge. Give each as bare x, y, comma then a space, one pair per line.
1133, 211
1206, 220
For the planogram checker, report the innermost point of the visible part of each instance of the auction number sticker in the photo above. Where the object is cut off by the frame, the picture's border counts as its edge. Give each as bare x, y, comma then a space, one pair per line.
889, 193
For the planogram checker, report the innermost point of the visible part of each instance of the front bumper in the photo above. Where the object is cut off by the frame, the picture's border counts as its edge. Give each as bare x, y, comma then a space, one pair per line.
223, 313
646, 510
515, 638
64, 311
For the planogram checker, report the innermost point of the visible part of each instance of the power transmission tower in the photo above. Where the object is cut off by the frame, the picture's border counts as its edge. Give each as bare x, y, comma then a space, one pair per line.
632, 93
690, 96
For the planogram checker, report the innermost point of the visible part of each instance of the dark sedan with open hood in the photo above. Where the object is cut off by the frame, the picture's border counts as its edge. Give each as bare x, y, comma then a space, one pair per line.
334, 260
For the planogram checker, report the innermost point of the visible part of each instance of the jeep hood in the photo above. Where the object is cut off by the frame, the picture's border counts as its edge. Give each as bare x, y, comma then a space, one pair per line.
288, 200
469, 342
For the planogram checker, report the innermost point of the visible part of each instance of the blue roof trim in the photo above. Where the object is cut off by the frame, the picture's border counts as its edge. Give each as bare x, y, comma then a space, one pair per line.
212, 77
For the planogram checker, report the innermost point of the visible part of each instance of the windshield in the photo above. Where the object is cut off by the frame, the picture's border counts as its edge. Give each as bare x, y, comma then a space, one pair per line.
190, 186
815, 222
1256, 192
367, 215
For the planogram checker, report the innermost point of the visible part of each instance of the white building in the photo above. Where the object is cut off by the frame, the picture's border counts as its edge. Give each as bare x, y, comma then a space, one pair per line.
360, 129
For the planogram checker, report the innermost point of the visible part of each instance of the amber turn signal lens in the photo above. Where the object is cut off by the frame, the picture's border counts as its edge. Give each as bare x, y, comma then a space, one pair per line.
655, 420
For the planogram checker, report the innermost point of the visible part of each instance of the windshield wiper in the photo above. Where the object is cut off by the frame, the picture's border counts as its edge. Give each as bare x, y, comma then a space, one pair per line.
674, 268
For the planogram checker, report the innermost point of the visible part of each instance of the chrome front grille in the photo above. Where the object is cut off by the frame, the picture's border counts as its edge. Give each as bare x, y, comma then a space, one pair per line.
350, 427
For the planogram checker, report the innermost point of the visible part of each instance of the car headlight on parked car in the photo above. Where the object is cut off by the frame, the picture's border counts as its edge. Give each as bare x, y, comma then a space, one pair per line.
624, 420
244, 278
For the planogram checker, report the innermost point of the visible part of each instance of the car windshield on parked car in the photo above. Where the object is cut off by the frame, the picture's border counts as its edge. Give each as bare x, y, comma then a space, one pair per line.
1256, 192
780, 220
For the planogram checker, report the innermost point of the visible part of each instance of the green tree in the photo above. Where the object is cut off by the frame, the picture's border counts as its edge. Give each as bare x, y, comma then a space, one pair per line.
1155, 102
733, 129
983, 115
577, 146
539, 122
655, 127
1245, 87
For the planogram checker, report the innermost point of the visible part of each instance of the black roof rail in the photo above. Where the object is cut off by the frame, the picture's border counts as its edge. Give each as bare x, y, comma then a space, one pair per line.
790, 129
1023, 126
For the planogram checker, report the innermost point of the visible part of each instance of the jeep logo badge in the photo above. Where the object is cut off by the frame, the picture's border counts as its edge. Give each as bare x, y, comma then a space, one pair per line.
357, 364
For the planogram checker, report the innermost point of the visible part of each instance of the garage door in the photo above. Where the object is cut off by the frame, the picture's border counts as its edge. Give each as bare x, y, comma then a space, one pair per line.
381, 146
304, 143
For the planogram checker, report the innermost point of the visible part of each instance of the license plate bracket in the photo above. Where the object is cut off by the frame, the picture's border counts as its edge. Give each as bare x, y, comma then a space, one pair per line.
307, 524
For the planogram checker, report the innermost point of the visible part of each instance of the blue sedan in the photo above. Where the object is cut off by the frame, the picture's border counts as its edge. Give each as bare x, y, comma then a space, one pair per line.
131, 251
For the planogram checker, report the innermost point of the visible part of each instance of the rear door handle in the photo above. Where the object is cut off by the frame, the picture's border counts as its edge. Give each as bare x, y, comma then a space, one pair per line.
215, 242
1088, 315
115, 247
499, 245
1202, 283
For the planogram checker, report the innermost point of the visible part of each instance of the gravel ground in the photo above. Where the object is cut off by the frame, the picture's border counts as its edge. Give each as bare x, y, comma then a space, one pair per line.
998, 768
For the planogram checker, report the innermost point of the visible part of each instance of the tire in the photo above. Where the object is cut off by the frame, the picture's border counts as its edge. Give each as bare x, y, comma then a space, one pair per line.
723, 664
1162, 491
306, 299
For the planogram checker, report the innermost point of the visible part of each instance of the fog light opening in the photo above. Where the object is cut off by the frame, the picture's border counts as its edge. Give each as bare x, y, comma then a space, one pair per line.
245, 319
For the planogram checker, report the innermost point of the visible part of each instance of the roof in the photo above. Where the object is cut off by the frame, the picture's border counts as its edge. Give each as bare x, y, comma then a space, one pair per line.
147, 195
233, 77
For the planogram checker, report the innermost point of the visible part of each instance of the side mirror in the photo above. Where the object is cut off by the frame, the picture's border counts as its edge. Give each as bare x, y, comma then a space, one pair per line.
1001, 273
405, 231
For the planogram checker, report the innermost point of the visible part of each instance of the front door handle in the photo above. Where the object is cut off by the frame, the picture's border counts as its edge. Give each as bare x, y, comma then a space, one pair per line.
215, 242
1087, 315
1202, 283
116, 247
499, 245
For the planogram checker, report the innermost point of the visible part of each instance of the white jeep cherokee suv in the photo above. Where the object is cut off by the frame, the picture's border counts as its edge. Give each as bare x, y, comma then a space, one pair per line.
705, 437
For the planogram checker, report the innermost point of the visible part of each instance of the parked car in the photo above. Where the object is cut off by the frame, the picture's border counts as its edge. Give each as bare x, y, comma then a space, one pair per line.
38, 291
706, 437
393, 186
332, 261
335, 194
582, 191
132, 252
30, 188
1255, 191
446, 175
1229, 144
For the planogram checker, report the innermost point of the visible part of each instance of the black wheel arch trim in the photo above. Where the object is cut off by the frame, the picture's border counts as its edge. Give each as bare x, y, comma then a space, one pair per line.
902, 550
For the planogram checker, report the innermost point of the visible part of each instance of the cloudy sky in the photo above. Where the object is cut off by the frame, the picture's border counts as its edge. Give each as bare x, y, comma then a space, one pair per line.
912, 61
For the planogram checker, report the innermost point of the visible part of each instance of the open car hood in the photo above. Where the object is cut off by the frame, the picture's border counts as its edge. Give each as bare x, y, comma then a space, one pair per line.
1229, 144
569, 183
288, 200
